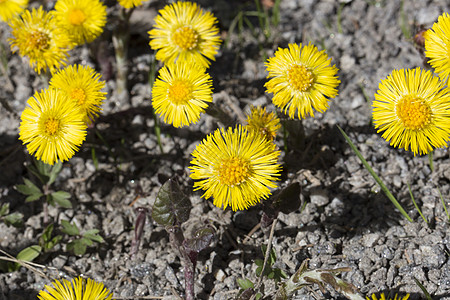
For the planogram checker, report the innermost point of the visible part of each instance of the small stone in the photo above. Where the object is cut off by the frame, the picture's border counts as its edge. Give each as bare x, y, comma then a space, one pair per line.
220, 275
370, 240
319, 197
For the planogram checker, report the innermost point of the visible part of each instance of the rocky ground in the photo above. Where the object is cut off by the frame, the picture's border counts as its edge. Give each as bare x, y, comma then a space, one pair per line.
346, 221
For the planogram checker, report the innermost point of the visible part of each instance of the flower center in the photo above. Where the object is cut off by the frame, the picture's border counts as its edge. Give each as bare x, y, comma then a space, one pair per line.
413, 112
180, 92
234, 171
185, 37
78, 95
38, 40
77, 17
300, 78
51, 126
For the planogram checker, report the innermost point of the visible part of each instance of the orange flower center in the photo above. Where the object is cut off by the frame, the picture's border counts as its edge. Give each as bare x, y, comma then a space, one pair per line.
300, 78
51, 126
78, 95
180, 92
38, 40
77, 17
413, 112
234, 171
185, 37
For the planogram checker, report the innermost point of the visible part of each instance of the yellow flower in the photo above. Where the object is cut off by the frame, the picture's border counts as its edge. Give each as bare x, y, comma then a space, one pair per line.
412, 107
81, 85
184, 32
10, 8
437, 46
36, 35
51, 126
382, 297
236, 167
267, 124
302, 79
130, 3
83, 20
76, 289
181, 92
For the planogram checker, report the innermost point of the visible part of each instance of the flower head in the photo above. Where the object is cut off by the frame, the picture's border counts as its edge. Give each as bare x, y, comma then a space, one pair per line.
51, 126
184, 32
236, 167
412, 107
76, 289
181, 92
383, 297
302, 79
83, 20
37, 36
437, 46
81, 85
10, 8
267, 124
130, 3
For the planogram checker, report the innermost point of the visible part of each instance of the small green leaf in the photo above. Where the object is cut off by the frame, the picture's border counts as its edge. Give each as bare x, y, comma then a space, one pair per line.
69, 228
43, 168
33, 197
47, 234
42, 178
61, 198
29, 188
93, 235
29, 253
14, 219
55, 241
245, 283
77, 247
56, 169
86, 241
4, 209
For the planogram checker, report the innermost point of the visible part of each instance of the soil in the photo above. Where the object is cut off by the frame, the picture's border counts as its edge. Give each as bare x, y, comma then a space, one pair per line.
345, 219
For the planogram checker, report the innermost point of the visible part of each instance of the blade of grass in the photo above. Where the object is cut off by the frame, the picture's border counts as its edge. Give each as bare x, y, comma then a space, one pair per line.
424, 290
430, 160
443, 203
415, 204
374, 175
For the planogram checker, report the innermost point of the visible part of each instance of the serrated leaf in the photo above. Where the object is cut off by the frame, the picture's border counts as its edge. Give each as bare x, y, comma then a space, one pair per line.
245, 283
14, 219
70, 229
61, 198
29, 253
77, 247
4, 209
29, 188
33, 197
55, 170
171, 205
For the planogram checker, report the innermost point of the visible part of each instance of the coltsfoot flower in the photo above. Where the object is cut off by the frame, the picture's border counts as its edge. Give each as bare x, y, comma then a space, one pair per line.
184, 32
51, 126
302, 79
130, 3
82, 86
83, 20
11, 8
437, 46
37, 36
76, 289
412, 107
236, 167
181, 93
267, 124
383, 297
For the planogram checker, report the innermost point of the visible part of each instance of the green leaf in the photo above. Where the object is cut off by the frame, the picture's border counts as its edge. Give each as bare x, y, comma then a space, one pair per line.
47, 234
93, 235
43, 168
69, 228
55, 241
29, 188
42, 178
4, 209
55, 170
86, 241
33, 197
245, 283
171, 205
77, 247
14, 219
29, 253
61, 198
375, 176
